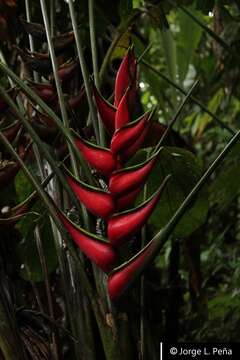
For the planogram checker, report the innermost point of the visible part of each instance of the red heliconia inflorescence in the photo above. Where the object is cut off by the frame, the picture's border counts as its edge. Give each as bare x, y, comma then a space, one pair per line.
123, 183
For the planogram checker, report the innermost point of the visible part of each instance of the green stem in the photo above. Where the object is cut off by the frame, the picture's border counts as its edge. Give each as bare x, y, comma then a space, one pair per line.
95, 62
84, 70
31, 40
193, 98
57, 81
42, 257
52, 17
174, 119
61, 98
143, 293
93, 42
10, 344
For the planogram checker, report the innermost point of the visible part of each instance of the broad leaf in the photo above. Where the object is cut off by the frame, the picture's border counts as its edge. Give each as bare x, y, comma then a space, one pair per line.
186, 170
225, 187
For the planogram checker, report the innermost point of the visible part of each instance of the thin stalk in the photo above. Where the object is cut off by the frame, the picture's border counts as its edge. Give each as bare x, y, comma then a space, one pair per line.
142, 293
145, 51
31, 40
111, 348
93, 42
84, 71
44, 266
193, 98
34, 97
174, 119
57, 80
10, 343
38, 241
61, 98
52, 17
35, 289
95, 62
39, 143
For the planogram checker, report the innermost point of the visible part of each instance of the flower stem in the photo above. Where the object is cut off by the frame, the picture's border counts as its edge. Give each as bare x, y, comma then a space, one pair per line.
31, 40
95, 62
57, 80
84, 71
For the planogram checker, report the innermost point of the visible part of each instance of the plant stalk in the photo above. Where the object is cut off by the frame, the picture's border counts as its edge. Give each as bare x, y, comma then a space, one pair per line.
84, 71
95, 62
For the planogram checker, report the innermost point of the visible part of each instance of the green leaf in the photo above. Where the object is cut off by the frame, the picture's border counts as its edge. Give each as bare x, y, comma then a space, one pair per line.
122, 46
23, 186
224, 189
202, 121
27, 249
188, 40
125, 8
186, 169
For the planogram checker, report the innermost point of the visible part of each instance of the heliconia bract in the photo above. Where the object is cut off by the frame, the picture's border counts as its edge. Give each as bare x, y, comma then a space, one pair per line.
124, 201
131, 150
126, 77
126, 224
127, 179
97, 201
127, 134
120, 279
100, 252
98, 157
106, 111
122, 116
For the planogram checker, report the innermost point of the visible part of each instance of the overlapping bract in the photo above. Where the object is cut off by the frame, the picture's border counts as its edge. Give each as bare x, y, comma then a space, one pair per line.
124, 184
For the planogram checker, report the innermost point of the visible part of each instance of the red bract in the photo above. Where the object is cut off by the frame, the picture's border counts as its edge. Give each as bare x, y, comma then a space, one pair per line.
97, 201
121, 278
125, 180
100, 252
126, 77
45, 91
131, 150
66, 71
123, 225
129, 133
106, 111
122, 114
98, 157
75, 101
124, 201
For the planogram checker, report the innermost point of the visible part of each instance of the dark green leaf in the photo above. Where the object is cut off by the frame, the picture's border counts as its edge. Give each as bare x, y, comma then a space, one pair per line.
186, 170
